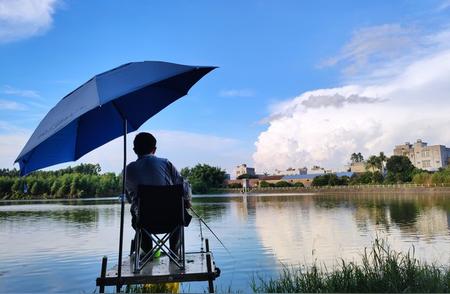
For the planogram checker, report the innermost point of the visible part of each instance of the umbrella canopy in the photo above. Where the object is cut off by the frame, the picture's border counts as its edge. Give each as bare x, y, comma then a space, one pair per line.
93, 114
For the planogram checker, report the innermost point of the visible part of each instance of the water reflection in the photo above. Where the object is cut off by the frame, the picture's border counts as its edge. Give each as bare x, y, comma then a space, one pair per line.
79, 216
57, 245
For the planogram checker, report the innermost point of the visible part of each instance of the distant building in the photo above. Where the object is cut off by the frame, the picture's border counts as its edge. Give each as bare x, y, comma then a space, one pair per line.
426, 157
292, 171
358, 167
243, 169
303, 171
320, 170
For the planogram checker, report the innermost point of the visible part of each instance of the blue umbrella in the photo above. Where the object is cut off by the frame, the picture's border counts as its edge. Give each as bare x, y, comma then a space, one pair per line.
107, 106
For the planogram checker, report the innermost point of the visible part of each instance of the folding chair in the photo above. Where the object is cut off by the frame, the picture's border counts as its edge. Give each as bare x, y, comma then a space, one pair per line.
161, 213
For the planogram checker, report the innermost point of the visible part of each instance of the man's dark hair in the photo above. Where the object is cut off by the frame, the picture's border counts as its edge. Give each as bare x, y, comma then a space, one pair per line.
144, 143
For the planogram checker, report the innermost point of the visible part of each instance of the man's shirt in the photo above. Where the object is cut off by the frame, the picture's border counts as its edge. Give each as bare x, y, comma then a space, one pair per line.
155, 171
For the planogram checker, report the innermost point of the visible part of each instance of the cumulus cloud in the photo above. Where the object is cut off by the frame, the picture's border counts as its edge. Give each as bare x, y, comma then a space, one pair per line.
325, 126
21, 19
337, 100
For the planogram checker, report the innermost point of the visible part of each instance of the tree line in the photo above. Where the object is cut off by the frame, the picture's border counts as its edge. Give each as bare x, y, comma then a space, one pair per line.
86, 180
80, 181
383, 170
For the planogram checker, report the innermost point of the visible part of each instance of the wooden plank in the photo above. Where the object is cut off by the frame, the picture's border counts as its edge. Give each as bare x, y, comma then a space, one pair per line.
161, 270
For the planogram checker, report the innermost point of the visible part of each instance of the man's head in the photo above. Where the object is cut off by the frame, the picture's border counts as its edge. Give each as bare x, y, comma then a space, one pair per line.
144, 143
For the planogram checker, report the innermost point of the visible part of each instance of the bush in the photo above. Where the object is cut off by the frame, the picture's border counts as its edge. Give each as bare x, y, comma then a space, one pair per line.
366, 178
282, 184
235, 185
329, 180
298, 184
264, 184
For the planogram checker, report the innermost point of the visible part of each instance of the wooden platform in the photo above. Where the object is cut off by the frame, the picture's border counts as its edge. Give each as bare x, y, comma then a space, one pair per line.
199, 267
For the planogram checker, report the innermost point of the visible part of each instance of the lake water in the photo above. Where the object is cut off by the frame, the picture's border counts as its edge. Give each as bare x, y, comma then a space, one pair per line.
57, 246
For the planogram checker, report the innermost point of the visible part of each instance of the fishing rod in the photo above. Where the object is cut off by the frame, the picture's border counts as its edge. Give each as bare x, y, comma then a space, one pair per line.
206, 225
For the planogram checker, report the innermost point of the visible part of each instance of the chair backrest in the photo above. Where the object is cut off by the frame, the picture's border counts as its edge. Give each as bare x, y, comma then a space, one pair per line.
161, 208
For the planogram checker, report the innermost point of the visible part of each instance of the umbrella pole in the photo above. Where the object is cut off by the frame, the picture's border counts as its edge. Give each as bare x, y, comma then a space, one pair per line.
122, 205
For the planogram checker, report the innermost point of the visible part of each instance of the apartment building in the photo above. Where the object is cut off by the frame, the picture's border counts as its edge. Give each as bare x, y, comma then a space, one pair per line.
244, 169
423, 156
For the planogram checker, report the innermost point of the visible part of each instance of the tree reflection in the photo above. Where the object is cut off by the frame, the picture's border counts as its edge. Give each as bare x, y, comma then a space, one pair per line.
404, 212
77, 216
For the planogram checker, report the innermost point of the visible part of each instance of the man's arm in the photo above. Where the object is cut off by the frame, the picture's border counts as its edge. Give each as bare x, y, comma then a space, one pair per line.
177, 179
131, 190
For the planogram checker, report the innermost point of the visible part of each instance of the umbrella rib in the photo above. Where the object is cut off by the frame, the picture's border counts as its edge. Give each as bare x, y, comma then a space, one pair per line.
122, 115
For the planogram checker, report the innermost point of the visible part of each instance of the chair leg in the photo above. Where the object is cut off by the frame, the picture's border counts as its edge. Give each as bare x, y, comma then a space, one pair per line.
137, 251
183, 252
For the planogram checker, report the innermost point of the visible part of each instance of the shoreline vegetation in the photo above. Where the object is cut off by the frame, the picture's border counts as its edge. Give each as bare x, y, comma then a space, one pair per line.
86, 180
381, 270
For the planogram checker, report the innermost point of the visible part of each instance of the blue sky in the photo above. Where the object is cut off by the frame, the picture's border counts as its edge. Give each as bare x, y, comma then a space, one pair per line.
269, 53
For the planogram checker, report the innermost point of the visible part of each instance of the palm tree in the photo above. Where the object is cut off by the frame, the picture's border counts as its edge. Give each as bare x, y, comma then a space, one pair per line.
373, 163
356, 157
382, 158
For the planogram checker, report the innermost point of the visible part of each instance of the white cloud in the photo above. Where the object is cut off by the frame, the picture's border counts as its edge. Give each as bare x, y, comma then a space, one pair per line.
372, 44
381, 52
10, 144
412, 104
11, 105
8, 90
237, 93
21, 19
181, 148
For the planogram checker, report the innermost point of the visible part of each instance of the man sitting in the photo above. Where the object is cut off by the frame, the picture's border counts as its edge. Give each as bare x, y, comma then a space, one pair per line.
151, 170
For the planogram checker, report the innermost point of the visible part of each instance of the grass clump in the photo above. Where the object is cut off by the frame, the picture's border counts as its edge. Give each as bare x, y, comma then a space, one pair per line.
382, 270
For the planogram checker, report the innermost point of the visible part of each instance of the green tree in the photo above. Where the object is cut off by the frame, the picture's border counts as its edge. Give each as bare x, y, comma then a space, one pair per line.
399, 169
37, 188
204, 177
330, 180
6, 184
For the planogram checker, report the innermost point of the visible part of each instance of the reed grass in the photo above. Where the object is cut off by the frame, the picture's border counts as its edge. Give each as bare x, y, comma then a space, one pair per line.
382, 270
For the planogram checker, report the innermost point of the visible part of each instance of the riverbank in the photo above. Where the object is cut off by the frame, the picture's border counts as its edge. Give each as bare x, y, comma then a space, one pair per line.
395, 188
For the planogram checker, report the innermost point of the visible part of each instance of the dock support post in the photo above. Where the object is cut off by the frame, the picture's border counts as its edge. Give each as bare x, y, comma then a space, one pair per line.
209, 267
207, 245
103, 273
210, 273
